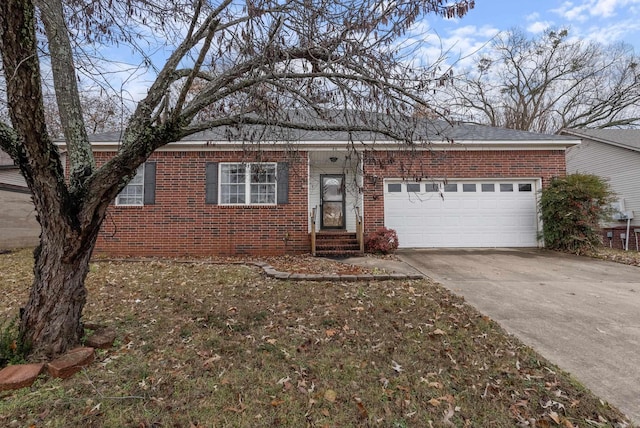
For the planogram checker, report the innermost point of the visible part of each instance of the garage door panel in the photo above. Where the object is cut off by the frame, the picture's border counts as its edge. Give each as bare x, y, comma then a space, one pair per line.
470, 204
487, 204
499, 218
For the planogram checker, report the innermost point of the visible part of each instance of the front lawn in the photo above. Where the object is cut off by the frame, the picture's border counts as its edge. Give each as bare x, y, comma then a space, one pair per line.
205, 345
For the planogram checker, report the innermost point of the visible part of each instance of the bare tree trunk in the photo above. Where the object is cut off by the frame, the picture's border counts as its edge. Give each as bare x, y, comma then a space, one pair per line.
51, 320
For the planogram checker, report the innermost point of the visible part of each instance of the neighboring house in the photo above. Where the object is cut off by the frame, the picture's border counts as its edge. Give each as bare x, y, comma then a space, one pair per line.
206, 195
10, 177
18, 224
613, 154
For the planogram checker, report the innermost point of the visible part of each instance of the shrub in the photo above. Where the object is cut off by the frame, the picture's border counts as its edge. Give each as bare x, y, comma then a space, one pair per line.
572, 209
11, 349
382, 241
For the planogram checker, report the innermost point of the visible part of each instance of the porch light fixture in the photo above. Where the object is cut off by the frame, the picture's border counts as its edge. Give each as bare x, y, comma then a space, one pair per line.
333, 159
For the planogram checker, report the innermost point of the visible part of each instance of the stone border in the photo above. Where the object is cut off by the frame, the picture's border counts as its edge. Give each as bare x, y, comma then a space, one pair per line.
66, 365
24, 375
271, 272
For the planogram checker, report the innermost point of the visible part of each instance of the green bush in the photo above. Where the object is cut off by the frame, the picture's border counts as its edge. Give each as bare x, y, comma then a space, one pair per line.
11, 349
572, 209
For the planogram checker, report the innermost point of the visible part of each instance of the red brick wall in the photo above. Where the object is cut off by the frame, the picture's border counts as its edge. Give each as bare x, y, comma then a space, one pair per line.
451, 164
616, 241
181, 224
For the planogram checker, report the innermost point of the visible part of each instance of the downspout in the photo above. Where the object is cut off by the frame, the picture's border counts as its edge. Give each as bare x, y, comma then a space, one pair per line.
626, 242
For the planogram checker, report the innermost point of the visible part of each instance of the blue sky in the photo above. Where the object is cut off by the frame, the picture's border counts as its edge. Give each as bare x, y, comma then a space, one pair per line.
604, 21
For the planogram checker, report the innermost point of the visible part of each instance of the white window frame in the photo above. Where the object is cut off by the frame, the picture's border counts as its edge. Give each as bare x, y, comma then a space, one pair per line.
133, 193
248, 186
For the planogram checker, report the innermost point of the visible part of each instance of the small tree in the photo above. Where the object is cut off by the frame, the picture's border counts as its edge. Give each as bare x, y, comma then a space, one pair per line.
572, 209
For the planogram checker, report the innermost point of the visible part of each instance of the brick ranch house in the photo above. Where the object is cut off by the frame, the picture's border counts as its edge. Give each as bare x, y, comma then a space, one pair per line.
206, 195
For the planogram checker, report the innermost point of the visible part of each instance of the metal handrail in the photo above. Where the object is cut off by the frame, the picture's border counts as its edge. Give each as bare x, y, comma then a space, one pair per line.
359, 230
313, 231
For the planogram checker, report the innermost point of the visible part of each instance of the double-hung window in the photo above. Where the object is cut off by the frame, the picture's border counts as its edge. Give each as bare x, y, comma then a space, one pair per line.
248, 183
133, 193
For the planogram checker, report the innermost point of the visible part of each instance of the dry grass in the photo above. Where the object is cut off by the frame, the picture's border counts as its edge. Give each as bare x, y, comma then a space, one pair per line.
221, 345
619, 256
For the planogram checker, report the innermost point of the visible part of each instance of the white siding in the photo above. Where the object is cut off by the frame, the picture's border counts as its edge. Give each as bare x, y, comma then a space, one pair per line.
12, 177
320, 163
621, 167
18, 224
5, 159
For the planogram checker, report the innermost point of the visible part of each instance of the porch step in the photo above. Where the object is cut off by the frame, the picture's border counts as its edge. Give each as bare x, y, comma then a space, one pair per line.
337, 244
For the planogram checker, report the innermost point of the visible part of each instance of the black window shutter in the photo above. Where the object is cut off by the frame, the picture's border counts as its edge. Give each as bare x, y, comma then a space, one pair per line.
211, 196
283, 182
149, 183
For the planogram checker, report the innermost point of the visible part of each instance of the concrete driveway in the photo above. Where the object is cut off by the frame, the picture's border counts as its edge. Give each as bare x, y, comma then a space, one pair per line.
582, 314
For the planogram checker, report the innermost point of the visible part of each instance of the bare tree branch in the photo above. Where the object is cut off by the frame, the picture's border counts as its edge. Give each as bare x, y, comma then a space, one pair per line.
550, 83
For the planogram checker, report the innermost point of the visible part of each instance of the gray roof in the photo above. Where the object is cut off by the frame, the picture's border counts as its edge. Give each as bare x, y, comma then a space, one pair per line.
434, 130
465, 131
627, 138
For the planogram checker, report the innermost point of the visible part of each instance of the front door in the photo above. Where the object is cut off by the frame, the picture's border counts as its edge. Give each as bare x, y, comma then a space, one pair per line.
332, 205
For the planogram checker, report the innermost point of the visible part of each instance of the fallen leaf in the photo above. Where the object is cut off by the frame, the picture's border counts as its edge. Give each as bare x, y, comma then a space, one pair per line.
276, 403
325, 412
283, 380
448, 398
213, 359
330, 332
448, 414
362, 411
330, 395
554, 416
434, 402
396, 367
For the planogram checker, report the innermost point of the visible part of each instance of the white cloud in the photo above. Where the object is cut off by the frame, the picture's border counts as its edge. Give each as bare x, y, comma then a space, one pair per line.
582, 11
539, 26
609, 8
610, 33
464, 43
533, 16
571, 12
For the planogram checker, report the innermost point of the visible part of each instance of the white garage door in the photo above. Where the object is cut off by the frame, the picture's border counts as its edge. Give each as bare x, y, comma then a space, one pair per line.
463, 213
